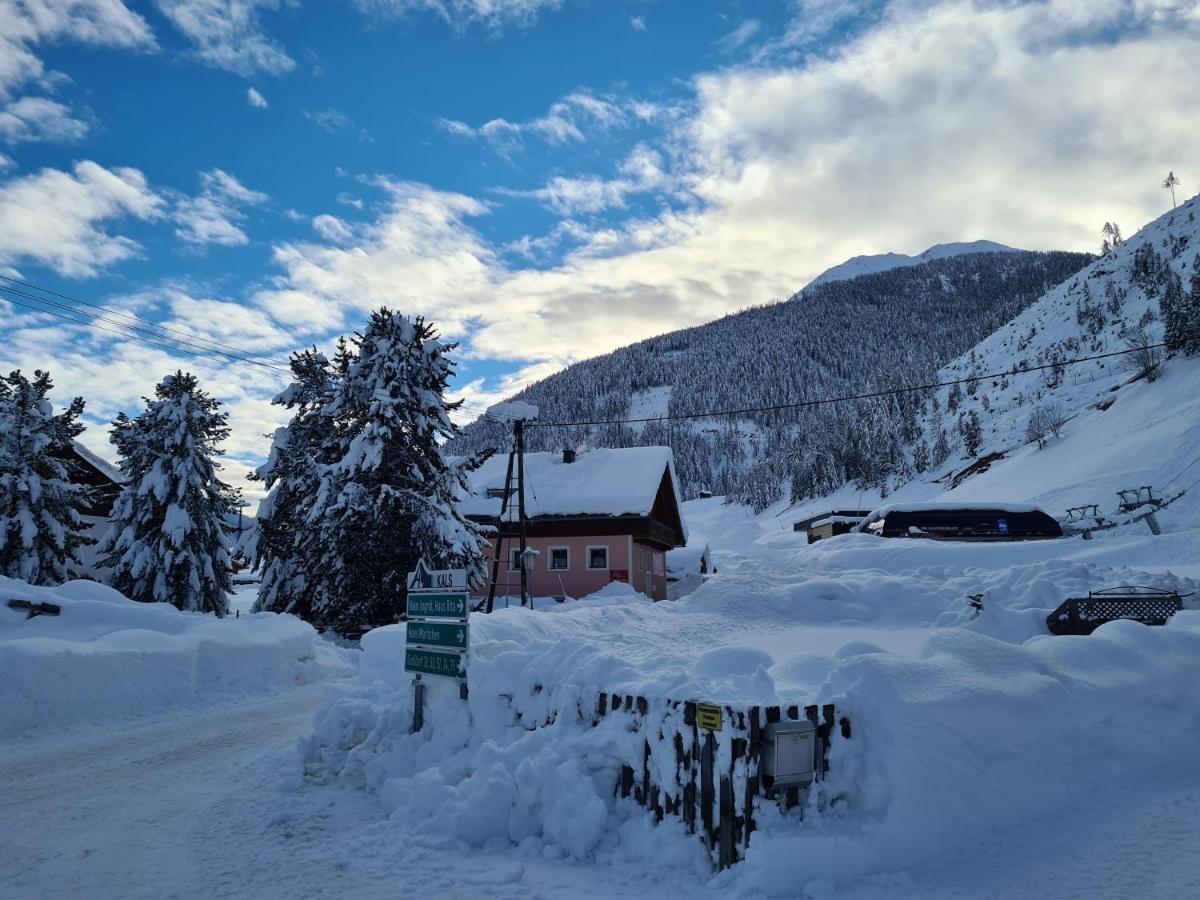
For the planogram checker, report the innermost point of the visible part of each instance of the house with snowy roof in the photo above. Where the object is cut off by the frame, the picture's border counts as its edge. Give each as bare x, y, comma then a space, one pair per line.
103, 479
592, 518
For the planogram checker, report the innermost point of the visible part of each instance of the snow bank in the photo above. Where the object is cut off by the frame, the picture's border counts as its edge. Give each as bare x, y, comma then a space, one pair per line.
107, 657
963, 720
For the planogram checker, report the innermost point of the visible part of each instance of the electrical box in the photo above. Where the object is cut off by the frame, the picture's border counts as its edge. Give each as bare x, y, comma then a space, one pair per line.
790, 752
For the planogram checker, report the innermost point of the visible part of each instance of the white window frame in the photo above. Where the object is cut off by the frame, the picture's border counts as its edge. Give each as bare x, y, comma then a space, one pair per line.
607, 558
550, 559
514, 554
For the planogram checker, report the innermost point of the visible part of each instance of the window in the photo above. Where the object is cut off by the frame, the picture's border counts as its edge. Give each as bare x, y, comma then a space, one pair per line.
560, 558
597, 557
514, 560
496, 493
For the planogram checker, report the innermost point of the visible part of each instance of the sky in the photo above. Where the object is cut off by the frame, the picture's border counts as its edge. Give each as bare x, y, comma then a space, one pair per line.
545, 180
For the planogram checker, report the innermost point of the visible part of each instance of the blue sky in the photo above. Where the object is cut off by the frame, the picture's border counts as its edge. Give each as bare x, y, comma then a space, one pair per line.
546, 179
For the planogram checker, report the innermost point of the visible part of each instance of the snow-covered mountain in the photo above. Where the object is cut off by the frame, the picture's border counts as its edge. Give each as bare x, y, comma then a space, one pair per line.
852, 336
883, 262
1114, 428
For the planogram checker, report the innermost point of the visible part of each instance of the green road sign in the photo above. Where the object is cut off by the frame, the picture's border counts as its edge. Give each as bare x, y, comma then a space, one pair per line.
438, 634
429, 662
437, 606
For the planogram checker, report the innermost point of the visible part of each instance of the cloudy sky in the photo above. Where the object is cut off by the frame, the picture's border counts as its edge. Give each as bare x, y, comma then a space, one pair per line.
544, 179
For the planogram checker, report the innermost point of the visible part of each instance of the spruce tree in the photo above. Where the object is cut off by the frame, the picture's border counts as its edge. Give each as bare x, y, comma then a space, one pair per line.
1190, 313
292, 474
168, 538
40, 526
971, 431
389, 496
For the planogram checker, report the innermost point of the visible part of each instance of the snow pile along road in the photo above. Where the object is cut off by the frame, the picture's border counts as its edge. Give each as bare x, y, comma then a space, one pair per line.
963, 720
106, 657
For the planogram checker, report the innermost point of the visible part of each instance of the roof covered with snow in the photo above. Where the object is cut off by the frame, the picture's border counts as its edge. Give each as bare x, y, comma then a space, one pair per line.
601, 482
107, 469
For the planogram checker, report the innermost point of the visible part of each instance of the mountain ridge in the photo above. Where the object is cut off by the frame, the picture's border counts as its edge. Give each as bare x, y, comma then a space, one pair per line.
869, 264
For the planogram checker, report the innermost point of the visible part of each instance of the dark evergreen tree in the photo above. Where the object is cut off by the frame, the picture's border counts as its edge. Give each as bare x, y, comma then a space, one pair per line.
292, 474
168, 541
388, 495
971, 431
941, 448
40, 526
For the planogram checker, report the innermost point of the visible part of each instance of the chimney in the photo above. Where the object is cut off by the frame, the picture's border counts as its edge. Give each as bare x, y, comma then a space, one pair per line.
568, 455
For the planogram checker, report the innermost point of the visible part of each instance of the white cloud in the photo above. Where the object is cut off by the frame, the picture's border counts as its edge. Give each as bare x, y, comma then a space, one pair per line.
227, 34
215, 215
24, 26
40, 119
637, 23
337, 122
255, 99
640, 172
461, 14
740, 36
418, 256
57, 218
6, 162
569, 120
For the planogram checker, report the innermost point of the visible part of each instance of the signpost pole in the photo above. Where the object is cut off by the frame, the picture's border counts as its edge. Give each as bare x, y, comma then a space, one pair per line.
418, 704
519, 427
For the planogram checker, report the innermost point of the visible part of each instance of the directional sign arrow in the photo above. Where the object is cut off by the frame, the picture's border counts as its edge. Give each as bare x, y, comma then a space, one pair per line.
437, 634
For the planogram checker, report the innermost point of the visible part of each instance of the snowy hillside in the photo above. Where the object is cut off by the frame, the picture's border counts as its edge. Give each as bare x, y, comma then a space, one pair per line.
1118, 430
883, 262
868, 333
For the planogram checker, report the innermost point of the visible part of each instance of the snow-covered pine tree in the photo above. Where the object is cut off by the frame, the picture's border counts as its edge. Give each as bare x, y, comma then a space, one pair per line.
168, 541
390, 496
292, 474
1191, 312
971, 431
40, 527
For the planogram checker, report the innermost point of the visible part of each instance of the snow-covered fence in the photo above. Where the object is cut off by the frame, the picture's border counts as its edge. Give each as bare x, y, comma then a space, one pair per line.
708, 778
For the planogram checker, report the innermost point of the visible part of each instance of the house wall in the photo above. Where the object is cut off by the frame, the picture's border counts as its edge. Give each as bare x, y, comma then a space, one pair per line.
578, 580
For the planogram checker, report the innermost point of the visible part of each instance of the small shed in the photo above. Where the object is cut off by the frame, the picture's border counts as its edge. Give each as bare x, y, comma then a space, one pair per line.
827, 524
962, 522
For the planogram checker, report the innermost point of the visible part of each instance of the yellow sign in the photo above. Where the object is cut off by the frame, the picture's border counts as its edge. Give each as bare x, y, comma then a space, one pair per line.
708, 716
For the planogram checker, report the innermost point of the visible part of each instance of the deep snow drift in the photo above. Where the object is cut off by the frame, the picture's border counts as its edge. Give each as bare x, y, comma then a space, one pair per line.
106, 657
964, 720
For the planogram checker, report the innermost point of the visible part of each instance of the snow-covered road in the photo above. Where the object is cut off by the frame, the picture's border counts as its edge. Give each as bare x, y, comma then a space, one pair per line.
209, 804
107, 812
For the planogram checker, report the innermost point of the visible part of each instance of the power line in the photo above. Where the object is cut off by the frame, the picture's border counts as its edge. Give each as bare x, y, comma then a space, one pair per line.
132, 331
92, 324
124, 315
1181, 471
804, 404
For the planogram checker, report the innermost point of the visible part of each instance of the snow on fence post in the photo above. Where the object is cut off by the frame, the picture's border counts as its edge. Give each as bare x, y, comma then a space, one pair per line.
718, 770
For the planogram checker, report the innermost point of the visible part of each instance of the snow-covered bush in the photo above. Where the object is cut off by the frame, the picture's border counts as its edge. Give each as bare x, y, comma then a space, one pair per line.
40, 528
167, 543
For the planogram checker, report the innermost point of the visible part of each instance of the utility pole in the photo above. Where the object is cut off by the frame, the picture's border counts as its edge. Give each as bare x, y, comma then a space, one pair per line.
491, 598
519, 434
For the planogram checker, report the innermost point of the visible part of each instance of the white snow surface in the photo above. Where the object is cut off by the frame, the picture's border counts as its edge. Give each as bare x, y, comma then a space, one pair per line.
883, 262
106, 657
964, 723
512, 411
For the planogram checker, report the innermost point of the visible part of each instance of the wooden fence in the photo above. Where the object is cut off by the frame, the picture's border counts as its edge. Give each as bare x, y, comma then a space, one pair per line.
707, 778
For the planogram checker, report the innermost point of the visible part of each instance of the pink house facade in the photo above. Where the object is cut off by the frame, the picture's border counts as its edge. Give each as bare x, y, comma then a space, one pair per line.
608, 515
